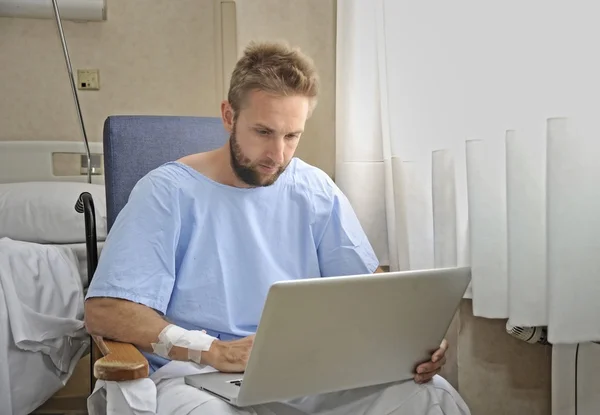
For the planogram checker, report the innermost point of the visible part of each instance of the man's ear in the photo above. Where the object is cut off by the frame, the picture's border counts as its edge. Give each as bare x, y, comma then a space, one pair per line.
227, 116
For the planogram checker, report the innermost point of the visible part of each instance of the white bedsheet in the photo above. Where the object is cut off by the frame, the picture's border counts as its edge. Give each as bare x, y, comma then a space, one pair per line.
42, 335
80, 252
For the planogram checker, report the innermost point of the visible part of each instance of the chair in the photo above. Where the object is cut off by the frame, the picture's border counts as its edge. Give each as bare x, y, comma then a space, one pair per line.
133, 146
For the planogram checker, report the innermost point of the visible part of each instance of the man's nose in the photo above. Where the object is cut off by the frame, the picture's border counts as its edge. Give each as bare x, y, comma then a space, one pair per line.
276, 149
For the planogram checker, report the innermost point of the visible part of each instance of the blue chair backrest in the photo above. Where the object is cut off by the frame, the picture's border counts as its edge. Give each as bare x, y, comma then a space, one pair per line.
135, 145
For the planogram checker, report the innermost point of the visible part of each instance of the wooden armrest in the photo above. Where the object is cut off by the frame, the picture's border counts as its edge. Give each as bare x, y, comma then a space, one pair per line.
121, 361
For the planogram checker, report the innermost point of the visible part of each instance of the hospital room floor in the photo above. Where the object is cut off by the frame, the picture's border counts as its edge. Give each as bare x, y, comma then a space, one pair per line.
72, 399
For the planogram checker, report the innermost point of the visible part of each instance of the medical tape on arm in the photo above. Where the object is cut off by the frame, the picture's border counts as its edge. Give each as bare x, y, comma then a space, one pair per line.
195, 341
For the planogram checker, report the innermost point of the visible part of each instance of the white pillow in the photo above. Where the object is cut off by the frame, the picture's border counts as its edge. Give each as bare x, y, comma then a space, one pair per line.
44, 212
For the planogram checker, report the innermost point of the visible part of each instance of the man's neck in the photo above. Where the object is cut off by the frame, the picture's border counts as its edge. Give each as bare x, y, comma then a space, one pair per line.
225, 170
216, 165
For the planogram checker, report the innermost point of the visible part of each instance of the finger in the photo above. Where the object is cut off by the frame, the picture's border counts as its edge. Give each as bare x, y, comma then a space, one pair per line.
438, 364
442, 362
439, 353
424, 378
444, 345
431, 366
426, 368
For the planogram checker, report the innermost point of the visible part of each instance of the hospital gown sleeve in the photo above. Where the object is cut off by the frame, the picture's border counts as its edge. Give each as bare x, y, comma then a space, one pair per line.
344, 248
137, 262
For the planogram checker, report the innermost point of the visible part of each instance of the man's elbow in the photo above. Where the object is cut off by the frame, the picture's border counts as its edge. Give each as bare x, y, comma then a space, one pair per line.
97, 313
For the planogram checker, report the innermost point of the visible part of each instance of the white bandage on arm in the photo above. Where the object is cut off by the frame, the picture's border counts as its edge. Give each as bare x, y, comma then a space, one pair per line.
195, 341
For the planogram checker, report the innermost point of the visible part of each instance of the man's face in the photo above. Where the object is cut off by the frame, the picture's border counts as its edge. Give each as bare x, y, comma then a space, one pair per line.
265, 136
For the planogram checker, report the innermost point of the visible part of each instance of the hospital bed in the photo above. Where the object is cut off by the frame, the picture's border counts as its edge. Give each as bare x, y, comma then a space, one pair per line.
43, 267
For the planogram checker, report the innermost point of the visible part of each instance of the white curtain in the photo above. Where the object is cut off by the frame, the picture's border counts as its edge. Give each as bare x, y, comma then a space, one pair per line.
573, 229
391, 194
442, 126
450, 152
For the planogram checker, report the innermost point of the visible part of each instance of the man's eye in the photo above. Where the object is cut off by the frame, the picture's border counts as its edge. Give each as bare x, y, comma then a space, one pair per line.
263, 132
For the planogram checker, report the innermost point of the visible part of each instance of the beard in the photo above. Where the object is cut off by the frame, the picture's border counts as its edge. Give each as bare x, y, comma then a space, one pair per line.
246, 170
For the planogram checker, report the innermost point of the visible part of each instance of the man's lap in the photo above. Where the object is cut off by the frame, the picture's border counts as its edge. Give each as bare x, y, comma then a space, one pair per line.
174, 397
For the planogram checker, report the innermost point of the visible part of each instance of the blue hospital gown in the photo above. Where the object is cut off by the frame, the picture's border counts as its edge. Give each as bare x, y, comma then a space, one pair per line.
204, 254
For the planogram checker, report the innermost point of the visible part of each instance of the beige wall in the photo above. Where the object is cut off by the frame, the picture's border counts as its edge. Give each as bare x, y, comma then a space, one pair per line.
154, 57
157, 57
309, 24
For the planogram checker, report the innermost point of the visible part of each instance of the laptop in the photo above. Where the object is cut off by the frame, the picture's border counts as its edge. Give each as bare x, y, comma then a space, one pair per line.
330, 334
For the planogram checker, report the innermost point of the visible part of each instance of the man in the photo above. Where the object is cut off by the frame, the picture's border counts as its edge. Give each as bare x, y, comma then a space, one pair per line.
201, 240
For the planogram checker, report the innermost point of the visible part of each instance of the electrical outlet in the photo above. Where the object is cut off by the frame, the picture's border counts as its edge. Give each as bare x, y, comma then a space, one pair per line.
88, 79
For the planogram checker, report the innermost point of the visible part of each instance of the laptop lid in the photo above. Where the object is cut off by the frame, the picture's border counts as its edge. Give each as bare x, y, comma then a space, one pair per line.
329, 334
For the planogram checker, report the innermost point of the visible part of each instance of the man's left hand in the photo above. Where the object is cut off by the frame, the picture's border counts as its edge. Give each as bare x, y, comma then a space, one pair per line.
426, 371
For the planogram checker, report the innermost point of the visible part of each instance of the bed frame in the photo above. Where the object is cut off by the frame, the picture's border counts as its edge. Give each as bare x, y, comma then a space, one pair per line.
22, 161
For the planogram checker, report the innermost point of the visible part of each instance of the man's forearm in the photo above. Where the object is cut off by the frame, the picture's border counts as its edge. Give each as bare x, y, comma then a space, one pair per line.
123, 321
129, 322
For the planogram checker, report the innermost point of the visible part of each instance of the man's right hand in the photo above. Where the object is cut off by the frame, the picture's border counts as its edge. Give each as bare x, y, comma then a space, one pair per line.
229, 356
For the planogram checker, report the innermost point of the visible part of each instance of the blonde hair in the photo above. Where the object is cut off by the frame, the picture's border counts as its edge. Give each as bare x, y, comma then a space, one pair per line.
276, 68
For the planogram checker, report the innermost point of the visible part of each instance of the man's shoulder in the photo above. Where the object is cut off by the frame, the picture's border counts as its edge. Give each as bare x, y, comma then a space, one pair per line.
164, 185
169, 176
311, 179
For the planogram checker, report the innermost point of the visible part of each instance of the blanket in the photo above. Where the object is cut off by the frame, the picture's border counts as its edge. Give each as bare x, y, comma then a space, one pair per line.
42, 334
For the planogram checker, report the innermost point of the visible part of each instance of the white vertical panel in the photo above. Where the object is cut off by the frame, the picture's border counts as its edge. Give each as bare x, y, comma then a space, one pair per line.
526, 221
412, 220
419, 217
444, 209
573, 206
397, 222
486, 187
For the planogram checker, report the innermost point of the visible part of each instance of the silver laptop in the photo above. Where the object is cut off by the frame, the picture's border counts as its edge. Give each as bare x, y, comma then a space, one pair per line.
330, 334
